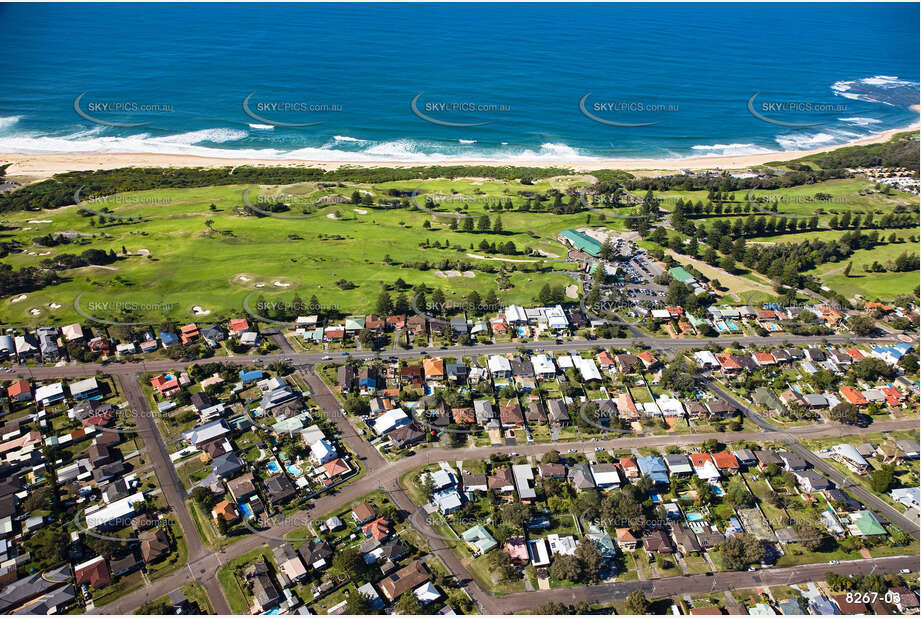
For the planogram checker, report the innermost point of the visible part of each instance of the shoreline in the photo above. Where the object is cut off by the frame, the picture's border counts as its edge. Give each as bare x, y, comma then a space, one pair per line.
41, 166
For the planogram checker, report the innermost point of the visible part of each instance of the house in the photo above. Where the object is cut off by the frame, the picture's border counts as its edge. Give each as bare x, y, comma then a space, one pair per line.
399, 582
848, 455
864, 523
475, 482
390, 420
322, 451
242, 488
316, 554
726, 462
580, 477
792, 462
523, 477
511, 415
26, 346
907, 601
289, 562
653, 467
704, 466
557, 412
552, 470
165, 384
188, 333
213, 335
479, 539
405, 436
434, 369
21, 390
678, 464
128, 563
224, 510
93, 572
378, 528
625, 539
768, 458
630, 468
265, 592
543, 366
605, 476
811, 481
517, 549
561, 545
685, 540
538, 553
279, 489
536, 413
658, 542
627, 363
483, 411
363, 513
49, 394
499, 366
155, 545
457, 372
501, 480
852, 395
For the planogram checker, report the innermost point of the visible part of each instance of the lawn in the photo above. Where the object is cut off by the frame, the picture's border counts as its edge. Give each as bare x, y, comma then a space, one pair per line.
215, 258
238, 596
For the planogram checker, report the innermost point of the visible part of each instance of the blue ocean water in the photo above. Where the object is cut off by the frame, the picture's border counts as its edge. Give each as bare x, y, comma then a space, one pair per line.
486, 80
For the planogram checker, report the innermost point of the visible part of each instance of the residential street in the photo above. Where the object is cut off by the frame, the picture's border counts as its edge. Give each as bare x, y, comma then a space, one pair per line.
384, 475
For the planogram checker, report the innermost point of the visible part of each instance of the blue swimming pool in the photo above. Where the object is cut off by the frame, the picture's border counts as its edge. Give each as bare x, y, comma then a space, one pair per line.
717, 490
272, 612
247, 511
273, 467
693, 516
293, 470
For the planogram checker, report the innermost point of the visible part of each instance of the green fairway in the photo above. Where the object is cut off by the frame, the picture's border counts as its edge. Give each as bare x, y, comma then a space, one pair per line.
199, 248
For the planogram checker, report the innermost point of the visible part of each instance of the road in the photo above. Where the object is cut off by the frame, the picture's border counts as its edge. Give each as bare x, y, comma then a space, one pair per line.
665, 345
840, 479
173, 491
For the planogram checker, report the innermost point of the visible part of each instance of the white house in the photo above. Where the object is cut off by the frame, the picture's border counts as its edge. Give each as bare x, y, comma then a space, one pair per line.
49, 393
499, 366
390, 420
323, 452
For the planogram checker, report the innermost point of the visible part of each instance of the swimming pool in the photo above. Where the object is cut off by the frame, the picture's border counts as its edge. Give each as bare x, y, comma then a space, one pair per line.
247, 511
717, 490
693, 516
273, 467
293, 470
655, 497
272, 612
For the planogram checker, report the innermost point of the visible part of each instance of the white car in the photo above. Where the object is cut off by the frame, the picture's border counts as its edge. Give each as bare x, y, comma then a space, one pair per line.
327, 357
904, 571
832, 562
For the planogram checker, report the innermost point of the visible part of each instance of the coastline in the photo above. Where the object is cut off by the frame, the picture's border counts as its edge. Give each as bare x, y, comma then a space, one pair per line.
40, 166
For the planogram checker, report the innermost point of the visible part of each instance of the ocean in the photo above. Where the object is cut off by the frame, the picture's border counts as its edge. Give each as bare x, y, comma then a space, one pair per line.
442, 82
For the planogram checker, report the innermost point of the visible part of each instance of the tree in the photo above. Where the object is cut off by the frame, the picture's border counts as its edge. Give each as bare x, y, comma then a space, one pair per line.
384, 303
847, 269
482, 224
358, 604
567, 568
350, 562
845, 413
861, 325
408, 605
637, 603
810, 536
516, 514
501, 564
590, 558
741, 550
883, 479
497, 226
551, 457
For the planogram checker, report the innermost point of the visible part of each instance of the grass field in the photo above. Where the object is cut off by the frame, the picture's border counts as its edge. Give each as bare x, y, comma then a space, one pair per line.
184, 253
196, 254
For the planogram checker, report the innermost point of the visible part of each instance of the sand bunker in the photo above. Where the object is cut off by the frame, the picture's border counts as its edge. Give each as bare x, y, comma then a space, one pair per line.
260, 285
143, 251
360, 211
455, 273
39, 221
35, 311
332, 215
199, 311
279, 284
19, 298
572, 291
55, 306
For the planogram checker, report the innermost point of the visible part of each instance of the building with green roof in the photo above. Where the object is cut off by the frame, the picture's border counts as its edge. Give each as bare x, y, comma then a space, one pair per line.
681, 275
582, 242
479, 539
867, 524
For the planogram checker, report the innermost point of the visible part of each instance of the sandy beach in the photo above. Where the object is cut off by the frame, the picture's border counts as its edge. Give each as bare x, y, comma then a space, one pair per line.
37, 166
